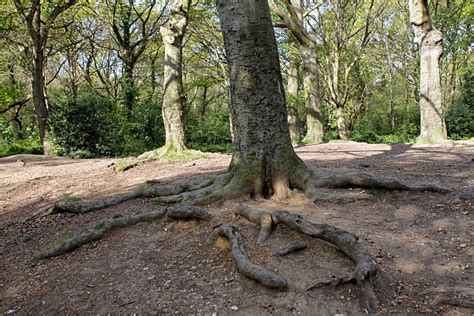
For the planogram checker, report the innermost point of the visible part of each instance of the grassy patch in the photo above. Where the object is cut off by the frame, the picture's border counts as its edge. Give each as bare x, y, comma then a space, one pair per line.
125, 164
182, 156
72, 198
57, 242
159, 202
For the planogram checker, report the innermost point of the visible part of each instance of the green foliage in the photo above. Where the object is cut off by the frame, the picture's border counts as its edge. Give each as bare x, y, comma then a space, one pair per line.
25, 146
85, 128
460, 116
145, 131
209, 134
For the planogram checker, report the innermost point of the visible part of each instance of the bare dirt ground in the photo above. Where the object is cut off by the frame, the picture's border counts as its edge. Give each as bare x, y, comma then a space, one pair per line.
422, 241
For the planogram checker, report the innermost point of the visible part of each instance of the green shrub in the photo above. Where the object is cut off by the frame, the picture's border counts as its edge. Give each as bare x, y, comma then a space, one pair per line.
145, 130
211, 134
460, 116
86, 128
26, 146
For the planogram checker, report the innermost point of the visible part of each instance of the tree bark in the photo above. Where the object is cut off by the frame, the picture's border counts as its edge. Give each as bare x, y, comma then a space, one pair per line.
174, 99
341, 123
39, 99
264, 162
429, 40
312, 90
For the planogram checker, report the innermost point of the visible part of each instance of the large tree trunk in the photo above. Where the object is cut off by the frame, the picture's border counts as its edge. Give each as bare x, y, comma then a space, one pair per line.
293, 85
174, 99
264, 162
314, 116
429, 40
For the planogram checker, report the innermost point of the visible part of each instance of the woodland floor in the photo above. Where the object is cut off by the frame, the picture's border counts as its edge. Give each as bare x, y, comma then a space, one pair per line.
422, 241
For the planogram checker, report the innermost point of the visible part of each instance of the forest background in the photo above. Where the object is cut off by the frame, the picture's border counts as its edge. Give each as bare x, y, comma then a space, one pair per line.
104, 60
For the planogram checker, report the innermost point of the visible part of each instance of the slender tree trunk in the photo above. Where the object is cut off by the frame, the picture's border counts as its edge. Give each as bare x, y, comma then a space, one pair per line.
429, 40
174, 99
40, 101
341, 123
129, 92
390, 77
312, 90
38, 83
263, 161
204, 101
293, 79
293, 87
152, 77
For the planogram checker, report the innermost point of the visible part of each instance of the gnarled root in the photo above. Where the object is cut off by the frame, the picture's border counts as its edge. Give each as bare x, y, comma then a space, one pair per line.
244, 265
345, 241
100, 229
97, 231
364, 180
335, 282
189, 212
164, 192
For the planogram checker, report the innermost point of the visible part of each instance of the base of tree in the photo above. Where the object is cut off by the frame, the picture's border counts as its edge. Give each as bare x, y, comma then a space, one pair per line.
432, 140
233, 184
163, 153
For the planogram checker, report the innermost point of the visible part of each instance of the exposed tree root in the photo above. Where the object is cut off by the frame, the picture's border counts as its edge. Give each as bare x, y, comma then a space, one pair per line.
228, 186
146, 191
189, 212
461, 296
335, 282
100, 229
96, 232
290, 248
465, 303
266, 227
243, 263
364, 180
345, 241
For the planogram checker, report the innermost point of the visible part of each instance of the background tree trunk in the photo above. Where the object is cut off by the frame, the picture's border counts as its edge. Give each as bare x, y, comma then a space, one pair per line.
39, 99
293, 17
429, 40
312, 90
293, 87
174, 99
341, 123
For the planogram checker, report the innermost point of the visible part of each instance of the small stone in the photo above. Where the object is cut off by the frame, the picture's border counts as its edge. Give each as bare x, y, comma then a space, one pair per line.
234, 308
462, 245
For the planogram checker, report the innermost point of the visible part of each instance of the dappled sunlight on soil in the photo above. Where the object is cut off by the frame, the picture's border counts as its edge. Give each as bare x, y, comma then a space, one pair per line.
422, 241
